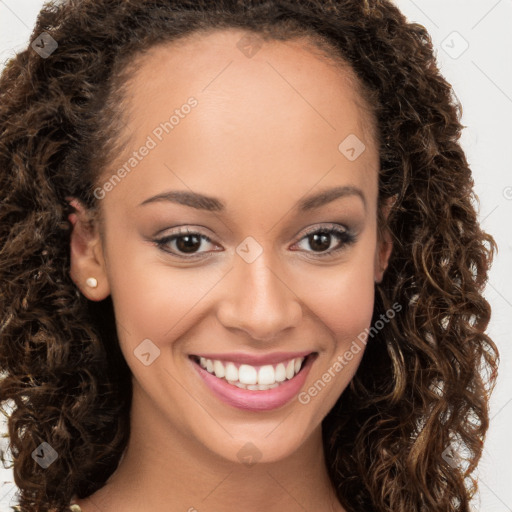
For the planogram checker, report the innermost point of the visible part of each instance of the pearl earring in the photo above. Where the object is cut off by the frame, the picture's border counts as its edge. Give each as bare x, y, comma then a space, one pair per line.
92, 282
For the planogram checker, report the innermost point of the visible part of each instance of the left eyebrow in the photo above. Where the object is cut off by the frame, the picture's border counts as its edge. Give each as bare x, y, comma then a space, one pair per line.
327, 196
212, 204
192, 199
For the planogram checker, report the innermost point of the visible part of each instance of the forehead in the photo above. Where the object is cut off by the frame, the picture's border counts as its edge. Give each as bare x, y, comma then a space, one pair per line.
242, 64
267, 112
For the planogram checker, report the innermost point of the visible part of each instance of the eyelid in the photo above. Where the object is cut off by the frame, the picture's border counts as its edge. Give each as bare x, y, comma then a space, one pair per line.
346, 236
182, 231
314, 229
330, 228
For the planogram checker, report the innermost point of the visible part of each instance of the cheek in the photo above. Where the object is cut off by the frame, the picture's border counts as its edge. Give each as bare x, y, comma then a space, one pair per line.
344, 298
152, 300
139, 295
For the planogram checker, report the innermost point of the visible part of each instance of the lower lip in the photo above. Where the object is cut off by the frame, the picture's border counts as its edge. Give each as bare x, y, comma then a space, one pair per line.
250, 400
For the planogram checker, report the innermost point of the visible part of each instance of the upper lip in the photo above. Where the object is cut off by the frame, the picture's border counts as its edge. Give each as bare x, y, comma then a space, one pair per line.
255, 359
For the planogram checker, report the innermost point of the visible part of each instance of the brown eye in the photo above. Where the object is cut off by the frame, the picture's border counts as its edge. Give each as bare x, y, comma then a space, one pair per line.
183, 243
320, 240
188, 243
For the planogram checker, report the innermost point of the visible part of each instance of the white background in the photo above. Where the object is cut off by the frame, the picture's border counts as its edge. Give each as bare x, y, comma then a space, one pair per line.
481, 75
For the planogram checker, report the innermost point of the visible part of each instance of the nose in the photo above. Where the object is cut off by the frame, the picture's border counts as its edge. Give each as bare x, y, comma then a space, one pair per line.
259, 300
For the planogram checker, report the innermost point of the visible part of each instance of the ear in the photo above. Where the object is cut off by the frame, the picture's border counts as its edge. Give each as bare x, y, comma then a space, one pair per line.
384, 242
86, 253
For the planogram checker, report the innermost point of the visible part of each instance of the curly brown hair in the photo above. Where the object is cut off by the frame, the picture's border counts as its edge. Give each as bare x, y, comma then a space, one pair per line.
424, 380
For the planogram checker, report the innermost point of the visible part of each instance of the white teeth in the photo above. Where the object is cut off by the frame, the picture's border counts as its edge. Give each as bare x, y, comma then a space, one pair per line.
218, 367
266, 375
231, 372
247, 374
280, 373
250, 377
290, 369
253, 387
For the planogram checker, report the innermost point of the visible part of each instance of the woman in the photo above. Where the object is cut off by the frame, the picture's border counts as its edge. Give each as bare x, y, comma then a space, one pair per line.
240, 262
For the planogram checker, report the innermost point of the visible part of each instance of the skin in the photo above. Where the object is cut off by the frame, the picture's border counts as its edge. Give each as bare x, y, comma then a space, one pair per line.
265, 133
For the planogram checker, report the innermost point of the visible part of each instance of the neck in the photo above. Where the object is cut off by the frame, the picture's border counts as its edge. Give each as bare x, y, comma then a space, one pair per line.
159, 471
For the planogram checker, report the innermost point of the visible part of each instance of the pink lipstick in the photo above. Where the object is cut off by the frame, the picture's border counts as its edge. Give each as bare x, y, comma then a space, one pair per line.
254, 383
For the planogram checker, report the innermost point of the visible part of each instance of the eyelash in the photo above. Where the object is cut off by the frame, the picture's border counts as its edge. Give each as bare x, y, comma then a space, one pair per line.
346, 238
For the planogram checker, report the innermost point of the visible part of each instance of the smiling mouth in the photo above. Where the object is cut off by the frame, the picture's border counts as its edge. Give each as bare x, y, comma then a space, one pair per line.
254, 378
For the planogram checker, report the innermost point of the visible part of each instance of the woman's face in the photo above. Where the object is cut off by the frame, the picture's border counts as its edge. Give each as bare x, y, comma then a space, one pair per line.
275, 139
